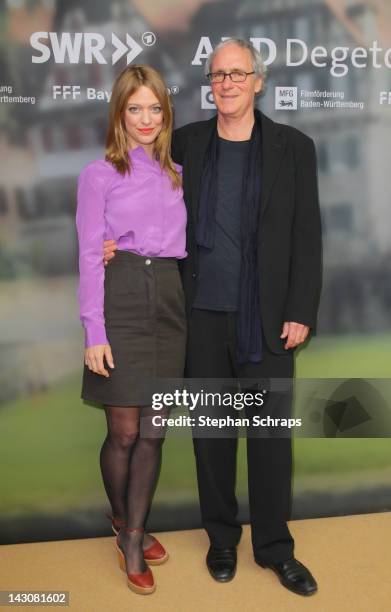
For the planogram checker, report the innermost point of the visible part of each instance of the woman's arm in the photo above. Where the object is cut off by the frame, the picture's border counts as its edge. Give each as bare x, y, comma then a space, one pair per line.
90, 223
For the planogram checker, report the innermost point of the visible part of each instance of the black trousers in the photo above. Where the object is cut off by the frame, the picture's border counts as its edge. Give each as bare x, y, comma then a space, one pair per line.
211, 354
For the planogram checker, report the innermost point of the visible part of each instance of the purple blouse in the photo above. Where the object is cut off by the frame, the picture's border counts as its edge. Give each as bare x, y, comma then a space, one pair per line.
140, 211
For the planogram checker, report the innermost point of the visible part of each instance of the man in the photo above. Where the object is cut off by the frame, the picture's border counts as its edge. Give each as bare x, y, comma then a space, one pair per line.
252, 284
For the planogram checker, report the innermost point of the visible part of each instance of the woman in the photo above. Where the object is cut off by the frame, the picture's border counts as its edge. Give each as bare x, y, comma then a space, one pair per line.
132, 311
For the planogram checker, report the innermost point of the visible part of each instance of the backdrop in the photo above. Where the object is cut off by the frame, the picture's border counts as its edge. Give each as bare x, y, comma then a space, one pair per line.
329, 75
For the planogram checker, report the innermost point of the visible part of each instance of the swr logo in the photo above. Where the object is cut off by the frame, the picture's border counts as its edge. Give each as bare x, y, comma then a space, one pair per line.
68, 47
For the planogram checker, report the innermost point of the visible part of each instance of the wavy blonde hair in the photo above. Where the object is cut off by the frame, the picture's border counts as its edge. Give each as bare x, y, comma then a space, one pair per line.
117, 145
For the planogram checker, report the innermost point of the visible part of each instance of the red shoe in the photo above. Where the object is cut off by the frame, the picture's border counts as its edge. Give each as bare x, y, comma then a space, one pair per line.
156, 554
143, 583
116, 523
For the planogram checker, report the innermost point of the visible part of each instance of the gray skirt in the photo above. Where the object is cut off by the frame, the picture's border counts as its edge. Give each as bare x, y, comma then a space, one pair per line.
145, 326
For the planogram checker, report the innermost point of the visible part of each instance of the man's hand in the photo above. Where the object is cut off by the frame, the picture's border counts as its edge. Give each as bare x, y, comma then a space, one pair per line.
296, 333
109, 248
93, 358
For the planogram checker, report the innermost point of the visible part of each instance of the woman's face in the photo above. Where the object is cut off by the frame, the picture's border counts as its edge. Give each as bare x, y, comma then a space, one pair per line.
143, 119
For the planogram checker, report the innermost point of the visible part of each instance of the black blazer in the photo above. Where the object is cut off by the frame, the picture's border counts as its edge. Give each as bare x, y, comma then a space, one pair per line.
289, 246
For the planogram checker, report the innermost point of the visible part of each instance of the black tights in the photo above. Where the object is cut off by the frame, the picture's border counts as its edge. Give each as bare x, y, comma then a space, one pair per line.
130, 461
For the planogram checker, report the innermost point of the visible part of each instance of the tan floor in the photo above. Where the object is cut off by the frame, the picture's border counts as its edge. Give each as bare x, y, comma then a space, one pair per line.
350, 557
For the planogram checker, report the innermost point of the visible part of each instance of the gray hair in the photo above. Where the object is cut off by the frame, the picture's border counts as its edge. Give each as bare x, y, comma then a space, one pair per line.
257, 60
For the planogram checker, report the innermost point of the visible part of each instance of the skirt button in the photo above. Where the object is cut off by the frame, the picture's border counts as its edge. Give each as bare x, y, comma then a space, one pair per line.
148, 262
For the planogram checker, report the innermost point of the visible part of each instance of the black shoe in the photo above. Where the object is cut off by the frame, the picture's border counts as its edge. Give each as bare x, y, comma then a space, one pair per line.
294, 576
221, 563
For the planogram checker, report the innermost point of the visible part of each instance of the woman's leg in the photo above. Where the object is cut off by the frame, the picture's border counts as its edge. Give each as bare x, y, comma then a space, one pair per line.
122, 434
143, 472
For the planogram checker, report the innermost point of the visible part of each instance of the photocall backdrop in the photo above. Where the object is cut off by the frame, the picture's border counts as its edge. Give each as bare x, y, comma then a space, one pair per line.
329, 75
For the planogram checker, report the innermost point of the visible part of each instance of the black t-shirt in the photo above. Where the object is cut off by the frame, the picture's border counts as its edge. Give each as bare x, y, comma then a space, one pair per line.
219, 268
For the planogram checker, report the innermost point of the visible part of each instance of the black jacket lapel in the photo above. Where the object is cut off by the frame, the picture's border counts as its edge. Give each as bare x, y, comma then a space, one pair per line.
273, 146
196, 158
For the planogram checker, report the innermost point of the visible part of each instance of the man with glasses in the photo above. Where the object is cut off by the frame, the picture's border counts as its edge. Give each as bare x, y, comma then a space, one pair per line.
252, 284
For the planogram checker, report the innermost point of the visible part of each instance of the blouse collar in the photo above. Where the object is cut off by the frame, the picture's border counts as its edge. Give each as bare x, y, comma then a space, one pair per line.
139, 153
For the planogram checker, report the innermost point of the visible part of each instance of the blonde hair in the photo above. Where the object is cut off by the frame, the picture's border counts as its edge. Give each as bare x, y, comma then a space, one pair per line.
117, 145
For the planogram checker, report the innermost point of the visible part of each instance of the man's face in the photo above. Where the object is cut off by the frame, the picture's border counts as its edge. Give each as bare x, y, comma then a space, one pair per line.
234, 99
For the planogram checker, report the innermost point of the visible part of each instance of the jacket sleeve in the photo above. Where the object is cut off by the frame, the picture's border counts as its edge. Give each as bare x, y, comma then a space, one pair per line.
306, 253
178, 145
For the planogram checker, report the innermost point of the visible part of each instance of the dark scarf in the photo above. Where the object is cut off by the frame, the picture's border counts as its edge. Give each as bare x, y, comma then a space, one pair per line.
249, 339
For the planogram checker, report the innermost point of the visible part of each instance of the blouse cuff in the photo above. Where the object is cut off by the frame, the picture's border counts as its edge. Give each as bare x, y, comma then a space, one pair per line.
95, 334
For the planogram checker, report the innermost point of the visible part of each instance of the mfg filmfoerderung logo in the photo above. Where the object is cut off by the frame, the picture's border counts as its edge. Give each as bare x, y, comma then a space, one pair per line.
86, 47
297, 52
286, 98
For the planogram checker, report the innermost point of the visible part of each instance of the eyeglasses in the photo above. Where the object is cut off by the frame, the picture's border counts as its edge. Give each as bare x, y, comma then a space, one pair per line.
236, 76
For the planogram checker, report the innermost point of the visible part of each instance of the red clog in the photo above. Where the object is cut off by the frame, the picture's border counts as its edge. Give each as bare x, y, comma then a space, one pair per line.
116, 523
156, 554
143, 583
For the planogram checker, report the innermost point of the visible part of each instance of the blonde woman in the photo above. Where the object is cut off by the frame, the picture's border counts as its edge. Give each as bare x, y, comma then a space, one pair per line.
132, 311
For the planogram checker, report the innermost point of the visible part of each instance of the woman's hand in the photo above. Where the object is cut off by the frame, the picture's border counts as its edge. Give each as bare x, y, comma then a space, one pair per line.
109, 248
93, 358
